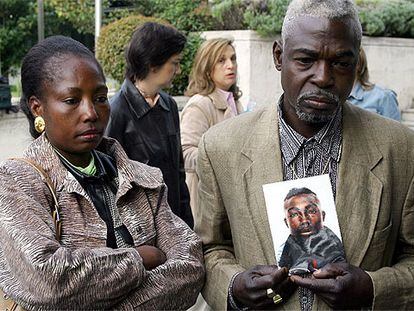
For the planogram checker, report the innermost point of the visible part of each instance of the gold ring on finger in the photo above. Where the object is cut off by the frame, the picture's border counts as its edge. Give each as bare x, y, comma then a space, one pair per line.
277, 299
270, 293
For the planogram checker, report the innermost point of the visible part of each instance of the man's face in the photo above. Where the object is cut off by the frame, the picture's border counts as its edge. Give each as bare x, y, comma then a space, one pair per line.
317, 65
303, 215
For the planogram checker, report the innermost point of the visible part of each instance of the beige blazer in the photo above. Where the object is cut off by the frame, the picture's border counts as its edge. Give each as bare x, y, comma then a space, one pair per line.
200, 113
375, 202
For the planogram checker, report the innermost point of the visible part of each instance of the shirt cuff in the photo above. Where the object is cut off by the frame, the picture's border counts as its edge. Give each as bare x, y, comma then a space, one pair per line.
232, 305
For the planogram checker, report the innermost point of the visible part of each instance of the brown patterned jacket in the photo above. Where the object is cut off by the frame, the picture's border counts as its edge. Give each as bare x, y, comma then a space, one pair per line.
80, 272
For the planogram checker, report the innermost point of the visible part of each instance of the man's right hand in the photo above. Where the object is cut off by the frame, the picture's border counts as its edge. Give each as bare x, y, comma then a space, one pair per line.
151, 256
249, 287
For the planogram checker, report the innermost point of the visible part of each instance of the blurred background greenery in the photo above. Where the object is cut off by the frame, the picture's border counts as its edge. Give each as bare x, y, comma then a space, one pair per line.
75, 18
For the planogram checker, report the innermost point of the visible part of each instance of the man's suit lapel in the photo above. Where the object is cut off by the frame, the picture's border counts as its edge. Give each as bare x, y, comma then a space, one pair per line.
359, 190
261, 164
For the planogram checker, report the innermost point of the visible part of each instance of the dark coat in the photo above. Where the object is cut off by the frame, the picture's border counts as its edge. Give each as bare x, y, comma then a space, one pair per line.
152, 136
306, 254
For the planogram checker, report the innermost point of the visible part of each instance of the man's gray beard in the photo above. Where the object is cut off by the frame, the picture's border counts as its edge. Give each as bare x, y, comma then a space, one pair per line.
313, 118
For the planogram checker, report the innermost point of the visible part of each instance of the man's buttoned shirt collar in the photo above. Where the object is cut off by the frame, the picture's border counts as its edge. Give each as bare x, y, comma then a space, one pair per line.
329, 137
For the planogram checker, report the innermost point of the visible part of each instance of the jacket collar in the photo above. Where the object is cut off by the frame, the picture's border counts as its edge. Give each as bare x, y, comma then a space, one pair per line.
218, 100
261, 164
137, 102
329, 137
130, 172
358, 191
359, 188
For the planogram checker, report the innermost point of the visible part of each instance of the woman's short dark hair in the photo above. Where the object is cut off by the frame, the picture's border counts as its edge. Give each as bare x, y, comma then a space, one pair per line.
151, 45
42, 64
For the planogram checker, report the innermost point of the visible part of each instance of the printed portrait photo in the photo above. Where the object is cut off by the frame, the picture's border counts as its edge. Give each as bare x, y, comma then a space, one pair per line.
304, 224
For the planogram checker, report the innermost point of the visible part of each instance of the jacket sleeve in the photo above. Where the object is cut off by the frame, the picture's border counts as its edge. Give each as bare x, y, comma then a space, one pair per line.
212, 225
176, 283
37, 271
194, 123
185, 194
394, 286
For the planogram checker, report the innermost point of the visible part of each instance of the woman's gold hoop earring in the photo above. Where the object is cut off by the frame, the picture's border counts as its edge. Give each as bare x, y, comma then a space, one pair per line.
39, 124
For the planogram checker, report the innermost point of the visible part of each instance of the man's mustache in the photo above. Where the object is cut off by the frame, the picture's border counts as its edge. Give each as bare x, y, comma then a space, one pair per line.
304, 225
320, 94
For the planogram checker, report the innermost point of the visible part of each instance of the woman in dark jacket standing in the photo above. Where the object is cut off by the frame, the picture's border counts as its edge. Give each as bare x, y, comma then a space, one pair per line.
144, 119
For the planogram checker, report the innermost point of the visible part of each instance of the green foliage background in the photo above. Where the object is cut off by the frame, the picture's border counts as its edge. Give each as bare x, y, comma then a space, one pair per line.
378, 17
185, 15
189, 16
180, 82
18, 23
79, 13
392, 18
267, 19
18, 31
75, 18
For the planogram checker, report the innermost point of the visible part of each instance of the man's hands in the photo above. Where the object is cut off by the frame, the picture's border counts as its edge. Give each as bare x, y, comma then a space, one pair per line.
340, 285
152, 257
249, 287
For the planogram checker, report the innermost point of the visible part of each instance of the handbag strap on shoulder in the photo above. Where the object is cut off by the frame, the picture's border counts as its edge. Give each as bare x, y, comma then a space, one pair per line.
55, 209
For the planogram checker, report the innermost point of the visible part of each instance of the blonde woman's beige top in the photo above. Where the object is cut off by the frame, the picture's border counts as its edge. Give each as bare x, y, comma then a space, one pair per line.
200, 113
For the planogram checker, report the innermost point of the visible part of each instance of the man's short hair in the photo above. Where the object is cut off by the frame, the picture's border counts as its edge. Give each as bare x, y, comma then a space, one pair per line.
298, 191
330, 9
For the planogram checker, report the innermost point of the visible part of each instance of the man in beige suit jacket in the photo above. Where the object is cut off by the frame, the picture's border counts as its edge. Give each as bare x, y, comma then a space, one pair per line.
374, 185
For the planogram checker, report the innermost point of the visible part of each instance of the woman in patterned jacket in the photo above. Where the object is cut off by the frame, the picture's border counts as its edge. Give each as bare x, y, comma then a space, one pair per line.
121, 247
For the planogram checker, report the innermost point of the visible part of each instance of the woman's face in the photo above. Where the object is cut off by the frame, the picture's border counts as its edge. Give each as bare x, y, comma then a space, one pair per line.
75, 108
224, 72
165, 74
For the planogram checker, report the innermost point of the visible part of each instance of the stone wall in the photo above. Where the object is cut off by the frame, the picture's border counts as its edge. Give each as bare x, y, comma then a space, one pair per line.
14, 134
390, 62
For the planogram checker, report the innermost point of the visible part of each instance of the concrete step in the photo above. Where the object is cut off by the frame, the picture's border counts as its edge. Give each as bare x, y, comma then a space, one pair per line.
407, 115
409, 124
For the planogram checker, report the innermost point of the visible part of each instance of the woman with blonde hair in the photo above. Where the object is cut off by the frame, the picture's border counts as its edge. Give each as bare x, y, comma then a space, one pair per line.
214, 98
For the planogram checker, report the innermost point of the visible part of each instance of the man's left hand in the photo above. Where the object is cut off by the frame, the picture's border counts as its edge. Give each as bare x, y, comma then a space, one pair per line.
340, 285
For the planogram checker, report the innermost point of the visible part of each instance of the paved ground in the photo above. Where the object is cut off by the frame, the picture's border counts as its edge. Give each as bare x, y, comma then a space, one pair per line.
14, 134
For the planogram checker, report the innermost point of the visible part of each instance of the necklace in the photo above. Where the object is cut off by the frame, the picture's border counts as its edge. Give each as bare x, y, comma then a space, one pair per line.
150, 98
145, 93
326, 169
